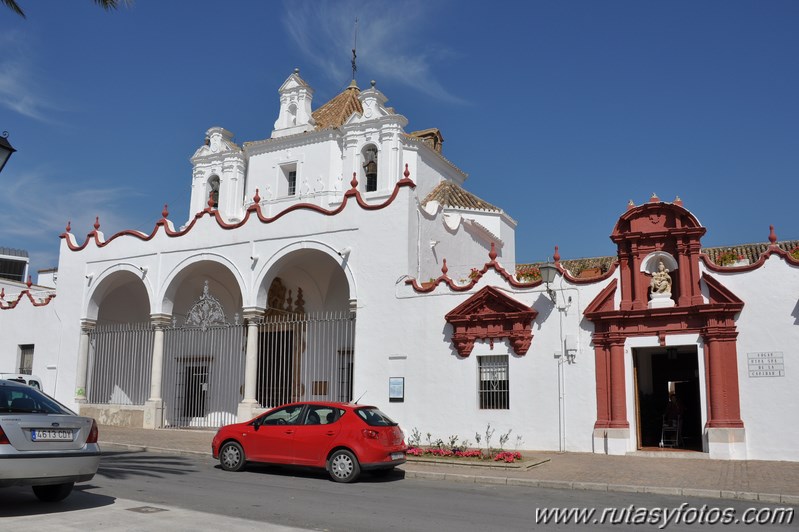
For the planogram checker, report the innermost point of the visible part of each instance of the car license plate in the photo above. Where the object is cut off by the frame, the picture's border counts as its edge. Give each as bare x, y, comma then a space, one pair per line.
397, 456
51, 435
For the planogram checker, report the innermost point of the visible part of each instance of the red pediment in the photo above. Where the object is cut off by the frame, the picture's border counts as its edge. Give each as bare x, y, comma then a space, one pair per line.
718, 294
491, 314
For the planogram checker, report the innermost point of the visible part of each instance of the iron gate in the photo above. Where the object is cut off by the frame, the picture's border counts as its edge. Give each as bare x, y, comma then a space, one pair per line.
305, 357
203, 376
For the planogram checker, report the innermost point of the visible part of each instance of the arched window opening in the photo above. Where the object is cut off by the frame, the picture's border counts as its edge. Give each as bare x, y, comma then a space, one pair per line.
293, 115
370, 167
213, 191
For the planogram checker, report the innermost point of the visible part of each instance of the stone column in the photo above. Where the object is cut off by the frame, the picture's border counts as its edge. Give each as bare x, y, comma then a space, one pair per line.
154, 407
86, 327
618, 431
254, 317
725, 430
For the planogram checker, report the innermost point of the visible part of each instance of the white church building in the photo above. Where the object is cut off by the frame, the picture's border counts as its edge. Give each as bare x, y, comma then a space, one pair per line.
343, 259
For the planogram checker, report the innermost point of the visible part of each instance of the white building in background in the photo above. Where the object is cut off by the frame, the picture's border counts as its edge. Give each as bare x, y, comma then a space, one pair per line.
341, 258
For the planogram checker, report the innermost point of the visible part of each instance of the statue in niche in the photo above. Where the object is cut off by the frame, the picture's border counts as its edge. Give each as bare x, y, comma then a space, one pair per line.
661, 280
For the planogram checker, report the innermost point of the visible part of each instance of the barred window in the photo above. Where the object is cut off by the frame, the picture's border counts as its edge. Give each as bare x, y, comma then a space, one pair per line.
26, 359
494, 382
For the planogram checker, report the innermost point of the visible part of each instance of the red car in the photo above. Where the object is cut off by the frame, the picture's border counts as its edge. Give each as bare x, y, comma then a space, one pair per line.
343, 438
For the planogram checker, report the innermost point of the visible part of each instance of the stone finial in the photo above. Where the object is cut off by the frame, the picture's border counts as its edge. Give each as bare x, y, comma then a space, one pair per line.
69, 226
493, 253
354, 182
556, 256
165, 212
654, 198
406, 173
257, 198
772, 236
444, 268
678, 201
630, 205
96, 223
29, 283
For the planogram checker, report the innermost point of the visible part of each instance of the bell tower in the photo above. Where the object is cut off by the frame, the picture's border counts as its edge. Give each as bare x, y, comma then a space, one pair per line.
295, 107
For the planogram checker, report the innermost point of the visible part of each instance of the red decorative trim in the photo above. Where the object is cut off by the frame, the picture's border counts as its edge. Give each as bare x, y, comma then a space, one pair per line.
252, 209
491, 314
8, 305
772, 250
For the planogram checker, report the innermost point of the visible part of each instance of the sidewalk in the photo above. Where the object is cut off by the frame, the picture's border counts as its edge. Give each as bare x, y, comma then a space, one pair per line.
671, 474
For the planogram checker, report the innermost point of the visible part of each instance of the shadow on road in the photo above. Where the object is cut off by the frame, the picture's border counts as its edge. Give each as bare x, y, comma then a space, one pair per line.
321, 474
126, 464
19, 501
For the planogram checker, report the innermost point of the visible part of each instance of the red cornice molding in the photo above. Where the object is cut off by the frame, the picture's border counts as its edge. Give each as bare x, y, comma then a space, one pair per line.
772, 250
255, 209
426, 288
8, 305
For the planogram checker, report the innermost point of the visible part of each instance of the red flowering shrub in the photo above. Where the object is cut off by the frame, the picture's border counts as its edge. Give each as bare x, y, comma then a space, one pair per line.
507, 456
504, 456
474, 453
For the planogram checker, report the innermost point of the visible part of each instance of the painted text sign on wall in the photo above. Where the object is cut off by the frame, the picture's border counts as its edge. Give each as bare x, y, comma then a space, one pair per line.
768, 364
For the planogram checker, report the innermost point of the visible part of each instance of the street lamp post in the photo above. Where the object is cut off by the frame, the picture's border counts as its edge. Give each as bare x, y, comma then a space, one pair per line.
5, 150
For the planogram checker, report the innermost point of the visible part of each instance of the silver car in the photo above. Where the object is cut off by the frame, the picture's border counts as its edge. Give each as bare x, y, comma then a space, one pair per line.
44, 444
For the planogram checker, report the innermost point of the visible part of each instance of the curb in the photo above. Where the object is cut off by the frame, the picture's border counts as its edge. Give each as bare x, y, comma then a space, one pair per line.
771, 498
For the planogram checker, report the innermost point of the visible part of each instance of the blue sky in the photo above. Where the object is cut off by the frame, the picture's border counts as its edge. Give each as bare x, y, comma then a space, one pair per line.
560, 111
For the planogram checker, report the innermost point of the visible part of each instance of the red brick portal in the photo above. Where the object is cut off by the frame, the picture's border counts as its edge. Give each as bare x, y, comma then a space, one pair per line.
640, 232
491, 315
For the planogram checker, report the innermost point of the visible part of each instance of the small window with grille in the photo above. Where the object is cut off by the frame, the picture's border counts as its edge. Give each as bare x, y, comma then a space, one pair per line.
494, 382
26, 359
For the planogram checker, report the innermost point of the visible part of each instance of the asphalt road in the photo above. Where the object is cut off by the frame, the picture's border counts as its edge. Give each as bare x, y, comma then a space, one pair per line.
274, 497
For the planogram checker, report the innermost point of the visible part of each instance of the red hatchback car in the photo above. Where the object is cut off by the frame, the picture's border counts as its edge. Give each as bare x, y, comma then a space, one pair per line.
343, 438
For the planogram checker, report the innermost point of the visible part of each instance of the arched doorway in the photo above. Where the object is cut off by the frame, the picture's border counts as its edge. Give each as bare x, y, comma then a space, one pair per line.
307, 333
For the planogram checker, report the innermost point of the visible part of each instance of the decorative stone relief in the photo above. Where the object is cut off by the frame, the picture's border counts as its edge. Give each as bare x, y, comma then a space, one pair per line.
207, 311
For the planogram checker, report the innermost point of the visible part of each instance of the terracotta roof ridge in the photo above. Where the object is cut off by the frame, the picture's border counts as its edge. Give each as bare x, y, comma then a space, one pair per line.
451, 194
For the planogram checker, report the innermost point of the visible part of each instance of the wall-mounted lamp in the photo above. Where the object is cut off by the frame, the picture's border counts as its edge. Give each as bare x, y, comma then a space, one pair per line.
254, 258
5, 150
144, 270
89, 278
433, 243
345, 252
548, 273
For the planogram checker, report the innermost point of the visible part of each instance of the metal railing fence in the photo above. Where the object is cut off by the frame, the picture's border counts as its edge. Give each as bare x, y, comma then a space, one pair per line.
120, 362
303, 357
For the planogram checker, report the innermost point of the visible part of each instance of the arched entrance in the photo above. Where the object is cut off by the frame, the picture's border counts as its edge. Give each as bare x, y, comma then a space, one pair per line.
306, 334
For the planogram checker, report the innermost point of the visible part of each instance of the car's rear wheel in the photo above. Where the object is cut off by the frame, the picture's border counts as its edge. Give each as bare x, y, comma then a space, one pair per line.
343, 466
53, 492
231, 456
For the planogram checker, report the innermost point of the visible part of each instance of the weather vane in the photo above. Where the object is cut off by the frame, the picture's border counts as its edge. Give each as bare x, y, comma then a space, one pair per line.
354, 45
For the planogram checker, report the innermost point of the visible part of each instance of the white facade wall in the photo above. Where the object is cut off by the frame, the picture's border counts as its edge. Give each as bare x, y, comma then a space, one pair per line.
769, 323
361, 259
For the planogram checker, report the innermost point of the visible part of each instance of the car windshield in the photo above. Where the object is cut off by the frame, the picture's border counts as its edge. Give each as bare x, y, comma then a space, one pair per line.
27, 400
375, 417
